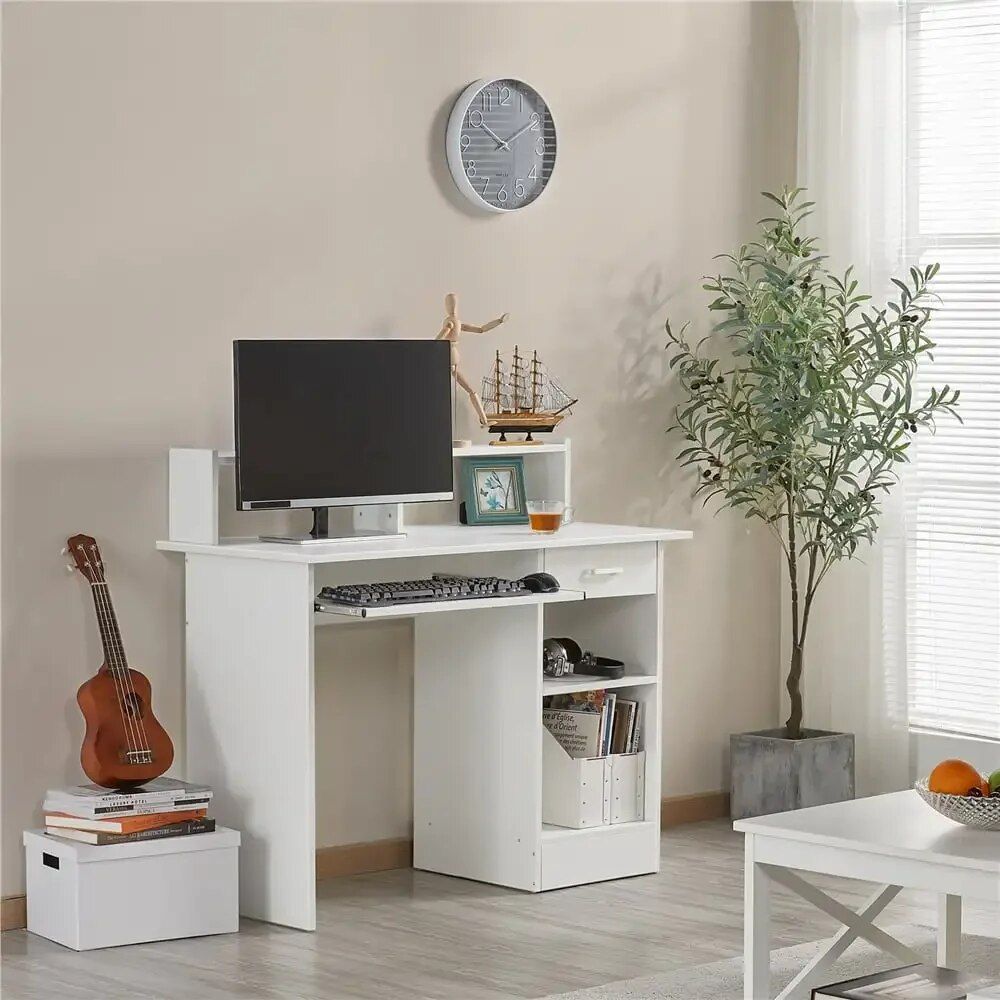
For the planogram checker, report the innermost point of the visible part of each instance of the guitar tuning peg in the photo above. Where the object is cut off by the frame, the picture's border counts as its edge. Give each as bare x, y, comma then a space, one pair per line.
64, 550
70, 568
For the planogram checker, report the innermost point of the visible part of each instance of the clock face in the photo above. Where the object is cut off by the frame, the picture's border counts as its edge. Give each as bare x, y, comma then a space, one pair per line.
501, 144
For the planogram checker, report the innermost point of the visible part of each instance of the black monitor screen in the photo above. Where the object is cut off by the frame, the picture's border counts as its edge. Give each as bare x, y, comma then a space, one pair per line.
325, 422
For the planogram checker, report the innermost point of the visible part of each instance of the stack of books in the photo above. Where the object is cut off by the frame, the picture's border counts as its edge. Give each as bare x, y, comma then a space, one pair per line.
164, 807
593, 723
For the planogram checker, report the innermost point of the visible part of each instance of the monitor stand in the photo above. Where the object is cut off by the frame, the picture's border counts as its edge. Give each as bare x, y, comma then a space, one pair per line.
385, 526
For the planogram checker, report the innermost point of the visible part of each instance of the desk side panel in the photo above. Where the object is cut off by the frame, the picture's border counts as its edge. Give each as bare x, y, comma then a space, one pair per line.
477, 781
250, 723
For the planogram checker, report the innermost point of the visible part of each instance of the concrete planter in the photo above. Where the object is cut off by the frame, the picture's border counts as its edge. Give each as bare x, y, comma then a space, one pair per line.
772, 774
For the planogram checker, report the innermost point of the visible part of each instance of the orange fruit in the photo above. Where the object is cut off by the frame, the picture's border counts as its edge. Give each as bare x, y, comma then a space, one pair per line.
956, 777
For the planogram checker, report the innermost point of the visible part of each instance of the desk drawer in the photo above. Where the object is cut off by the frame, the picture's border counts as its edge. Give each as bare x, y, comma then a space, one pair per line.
605, 570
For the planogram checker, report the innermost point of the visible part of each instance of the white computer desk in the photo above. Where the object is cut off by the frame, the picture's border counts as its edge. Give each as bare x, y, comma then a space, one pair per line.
478, 684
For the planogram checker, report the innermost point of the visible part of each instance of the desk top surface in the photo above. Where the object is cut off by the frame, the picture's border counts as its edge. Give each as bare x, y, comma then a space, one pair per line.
430, 540
898, 825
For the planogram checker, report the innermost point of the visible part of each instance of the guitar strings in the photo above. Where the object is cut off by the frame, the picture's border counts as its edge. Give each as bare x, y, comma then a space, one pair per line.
129, 730
105, 632
120, 668
120, 679
120, 671
127, 674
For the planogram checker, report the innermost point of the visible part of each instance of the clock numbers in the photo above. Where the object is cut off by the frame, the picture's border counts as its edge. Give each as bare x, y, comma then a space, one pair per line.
535, 122
474, 121
519, 187
502, 194
504, 96
533, 173
540, 146
466, 143
470, 168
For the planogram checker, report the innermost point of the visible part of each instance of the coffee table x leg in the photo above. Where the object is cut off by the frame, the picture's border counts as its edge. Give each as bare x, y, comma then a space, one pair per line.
860, 924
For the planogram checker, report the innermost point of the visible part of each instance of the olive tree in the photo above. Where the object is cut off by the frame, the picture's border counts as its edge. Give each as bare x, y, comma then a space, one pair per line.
805, 425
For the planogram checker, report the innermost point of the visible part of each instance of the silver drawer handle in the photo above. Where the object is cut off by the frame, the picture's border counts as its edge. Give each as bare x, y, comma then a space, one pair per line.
605, 571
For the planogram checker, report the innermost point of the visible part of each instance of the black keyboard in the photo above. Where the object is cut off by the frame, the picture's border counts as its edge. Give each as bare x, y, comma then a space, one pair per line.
359, 596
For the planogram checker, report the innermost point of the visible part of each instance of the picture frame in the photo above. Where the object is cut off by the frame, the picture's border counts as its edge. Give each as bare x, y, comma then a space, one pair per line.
493, 491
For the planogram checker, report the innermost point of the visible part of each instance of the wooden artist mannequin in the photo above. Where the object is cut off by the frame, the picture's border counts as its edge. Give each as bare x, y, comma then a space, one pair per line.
451, 331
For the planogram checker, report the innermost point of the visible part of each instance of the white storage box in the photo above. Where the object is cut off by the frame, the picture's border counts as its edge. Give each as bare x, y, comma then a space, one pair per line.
84, 896
628, 783
582, 792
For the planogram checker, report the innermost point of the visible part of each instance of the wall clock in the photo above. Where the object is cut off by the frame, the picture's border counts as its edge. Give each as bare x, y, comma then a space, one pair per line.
501, 144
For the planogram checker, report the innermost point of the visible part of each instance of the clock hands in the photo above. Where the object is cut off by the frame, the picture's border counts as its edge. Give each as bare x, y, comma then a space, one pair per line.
501, 143
520, 132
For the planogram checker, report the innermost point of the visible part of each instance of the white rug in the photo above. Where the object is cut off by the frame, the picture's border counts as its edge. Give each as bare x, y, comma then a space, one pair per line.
724, 980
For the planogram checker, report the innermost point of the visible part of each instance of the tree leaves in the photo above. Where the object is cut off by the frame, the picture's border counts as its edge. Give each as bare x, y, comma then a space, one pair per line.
806, 426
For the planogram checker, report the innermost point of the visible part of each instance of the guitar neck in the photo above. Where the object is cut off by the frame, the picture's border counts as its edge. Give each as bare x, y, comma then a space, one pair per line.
107, 622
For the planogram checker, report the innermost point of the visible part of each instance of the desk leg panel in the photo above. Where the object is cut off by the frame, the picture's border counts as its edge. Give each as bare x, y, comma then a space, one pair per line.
477, 782
250, 723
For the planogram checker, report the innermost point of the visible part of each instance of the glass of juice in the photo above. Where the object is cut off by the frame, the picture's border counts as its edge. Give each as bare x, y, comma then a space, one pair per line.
545, 516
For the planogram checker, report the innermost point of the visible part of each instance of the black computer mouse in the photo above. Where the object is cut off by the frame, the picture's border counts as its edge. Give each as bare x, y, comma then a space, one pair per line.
540, 583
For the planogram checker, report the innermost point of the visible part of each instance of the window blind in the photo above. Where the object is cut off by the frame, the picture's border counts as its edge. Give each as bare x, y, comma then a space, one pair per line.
953, 496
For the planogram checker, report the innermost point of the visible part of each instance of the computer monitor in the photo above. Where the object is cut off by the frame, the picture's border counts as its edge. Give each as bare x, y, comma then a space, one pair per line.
331, 423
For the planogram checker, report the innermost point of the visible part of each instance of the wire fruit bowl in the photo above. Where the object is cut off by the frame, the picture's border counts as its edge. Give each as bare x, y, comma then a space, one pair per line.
981, 813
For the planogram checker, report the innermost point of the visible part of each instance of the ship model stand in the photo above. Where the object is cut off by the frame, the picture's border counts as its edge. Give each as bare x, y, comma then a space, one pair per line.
522, 398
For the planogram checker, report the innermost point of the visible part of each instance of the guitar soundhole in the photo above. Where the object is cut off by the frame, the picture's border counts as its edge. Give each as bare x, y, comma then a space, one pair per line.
133, 706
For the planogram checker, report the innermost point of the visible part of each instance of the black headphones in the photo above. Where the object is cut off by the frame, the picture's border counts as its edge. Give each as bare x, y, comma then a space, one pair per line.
564, 656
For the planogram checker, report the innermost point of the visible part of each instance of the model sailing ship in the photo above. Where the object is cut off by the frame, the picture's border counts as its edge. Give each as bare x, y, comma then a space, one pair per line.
523, 398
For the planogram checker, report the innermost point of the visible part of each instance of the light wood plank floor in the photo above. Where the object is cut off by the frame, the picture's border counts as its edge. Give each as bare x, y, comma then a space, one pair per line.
406, 934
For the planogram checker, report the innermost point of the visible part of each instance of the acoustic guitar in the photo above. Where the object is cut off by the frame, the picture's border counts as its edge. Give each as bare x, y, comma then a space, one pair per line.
124, 745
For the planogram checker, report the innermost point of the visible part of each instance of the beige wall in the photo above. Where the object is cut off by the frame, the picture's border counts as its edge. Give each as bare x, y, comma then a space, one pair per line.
175, 176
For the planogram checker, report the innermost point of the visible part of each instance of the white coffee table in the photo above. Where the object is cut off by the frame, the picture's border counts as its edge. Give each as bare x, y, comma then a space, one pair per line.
895, 840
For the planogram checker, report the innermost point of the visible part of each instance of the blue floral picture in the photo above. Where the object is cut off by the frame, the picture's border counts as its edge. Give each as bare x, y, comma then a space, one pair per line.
497, 492
494, 491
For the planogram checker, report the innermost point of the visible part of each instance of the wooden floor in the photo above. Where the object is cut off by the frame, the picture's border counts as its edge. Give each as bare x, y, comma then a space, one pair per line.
406, 934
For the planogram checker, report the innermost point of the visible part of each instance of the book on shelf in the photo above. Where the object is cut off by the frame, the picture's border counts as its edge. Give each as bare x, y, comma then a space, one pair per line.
593, 723
624, 722
913, 982
608, 720
577, 732
160, 795
122, 824
635, 743
186, 828
578, 701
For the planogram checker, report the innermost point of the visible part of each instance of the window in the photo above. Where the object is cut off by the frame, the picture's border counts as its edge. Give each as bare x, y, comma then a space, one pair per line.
953, 501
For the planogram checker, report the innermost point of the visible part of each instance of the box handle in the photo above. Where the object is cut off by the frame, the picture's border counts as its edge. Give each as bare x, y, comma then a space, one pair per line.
50, 860
605, 571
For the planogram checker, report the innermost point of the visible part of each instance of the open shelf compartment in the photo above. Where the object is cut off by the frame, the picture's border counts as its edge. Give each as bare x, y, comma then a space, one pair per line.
624, 628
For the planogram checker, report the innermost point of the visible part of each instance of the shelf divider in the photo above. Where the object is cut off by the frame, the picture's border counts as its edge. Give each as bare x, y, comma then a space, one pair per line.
567, 685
